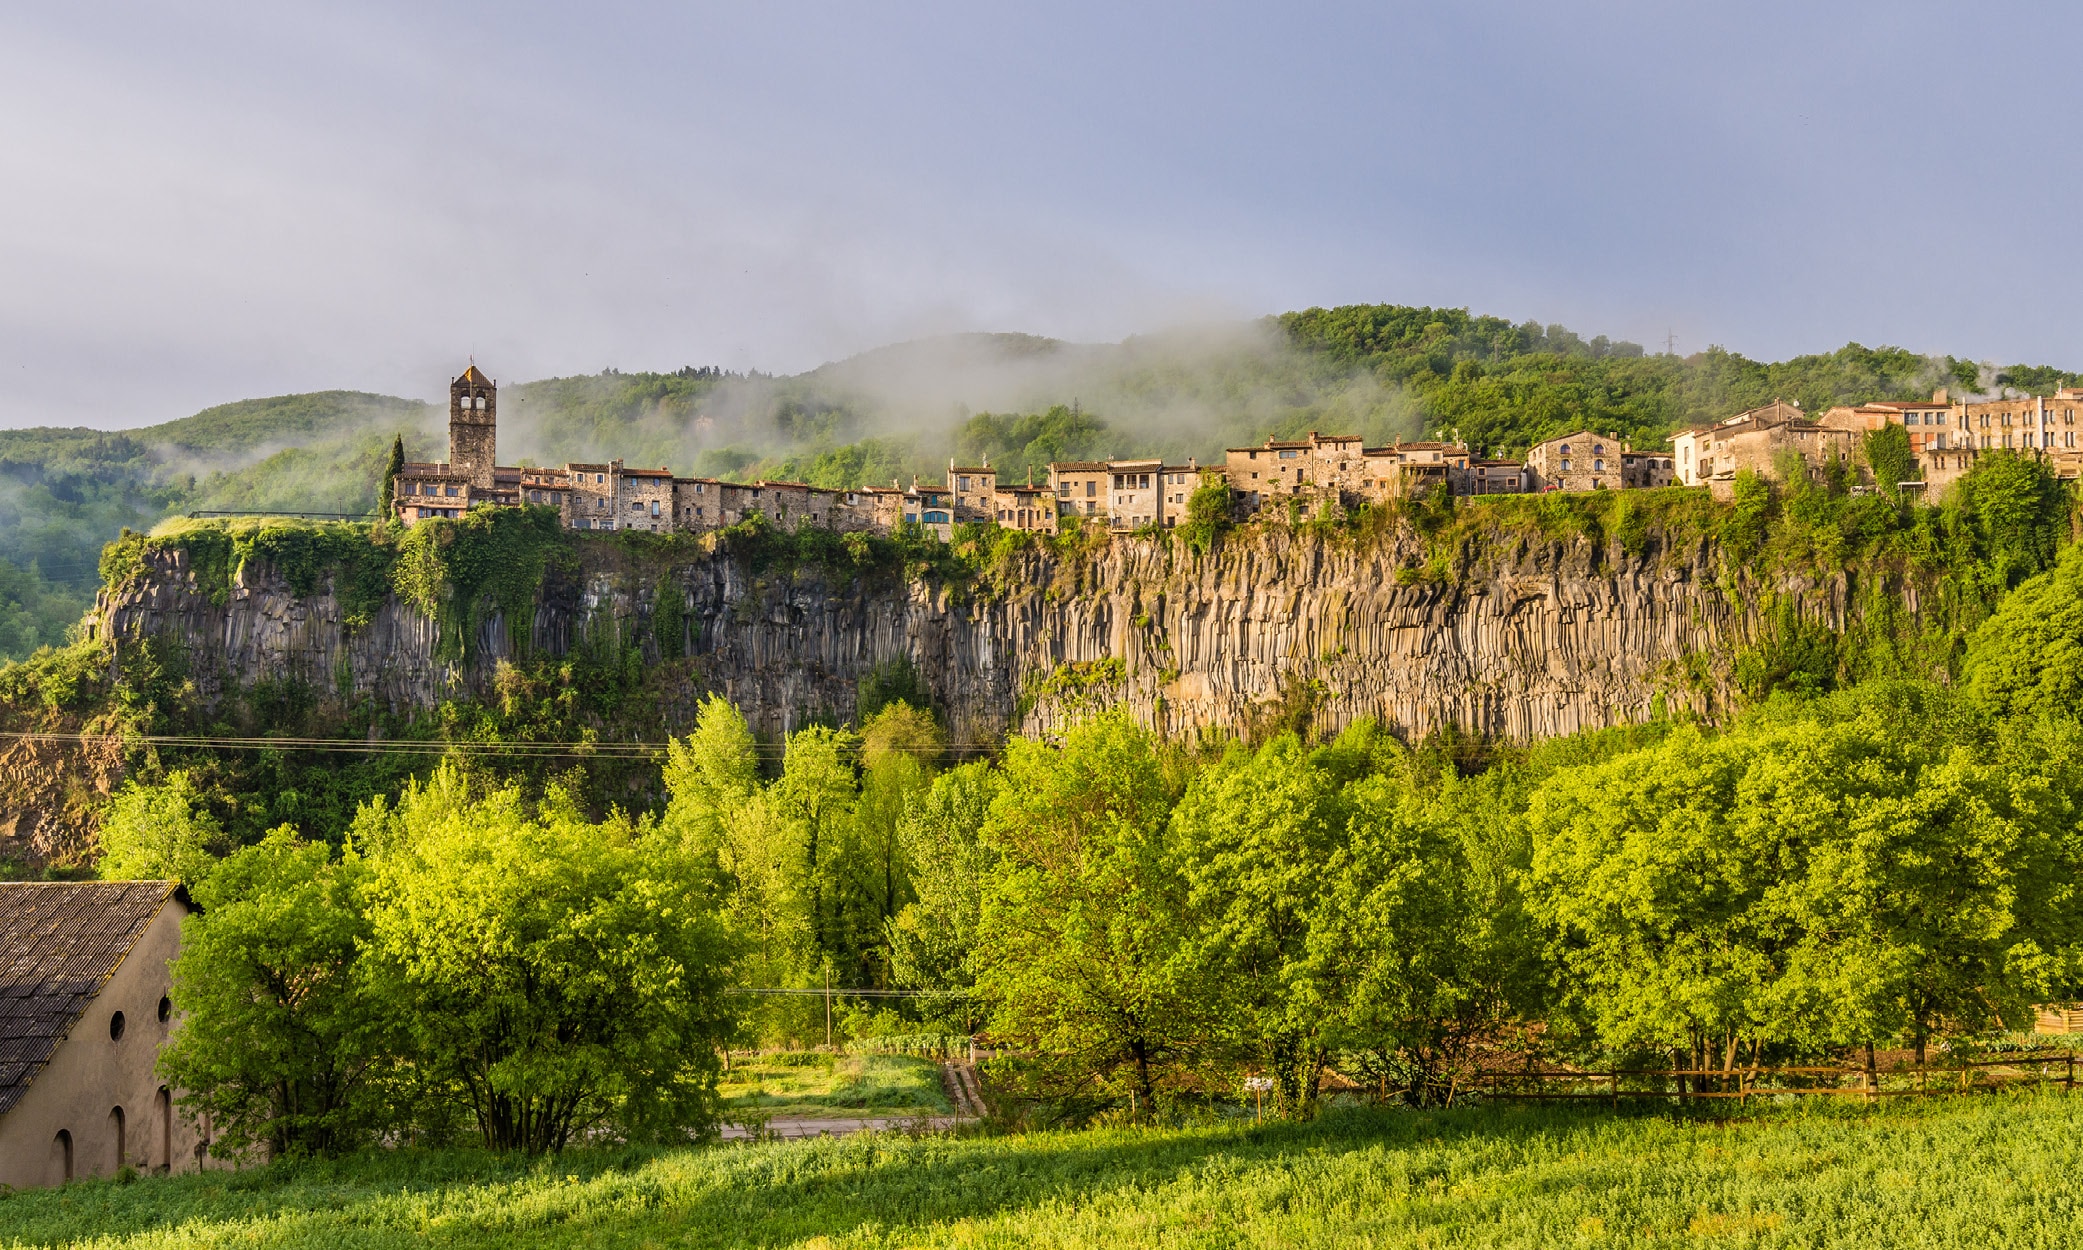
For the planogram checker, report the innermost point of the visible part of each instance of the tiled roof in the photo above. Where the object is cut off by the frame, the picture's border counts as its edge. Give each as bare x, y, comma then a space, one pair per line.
59, 943
1079, 466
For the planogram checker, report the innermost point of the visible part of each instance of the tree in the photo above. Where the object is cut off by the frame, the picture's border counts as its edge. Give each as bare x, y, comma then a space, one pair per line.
899, 747
1081, 924
565, 974
281, 1040
1420, 951
1210, 513
391, 469
710, 774
2027, 658
933, 939
2014, 510
1889, 456
1251, 840
160, 832
1812, 879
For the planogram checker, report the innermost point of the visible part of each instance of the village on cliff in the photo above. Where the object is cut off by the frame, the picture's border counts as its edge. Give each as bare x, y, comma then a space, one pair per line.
1124, 496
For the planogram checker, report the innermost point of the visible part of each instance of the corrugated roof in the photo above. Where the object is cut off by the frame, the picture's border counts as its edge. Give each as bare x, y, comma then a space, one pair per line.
59, 943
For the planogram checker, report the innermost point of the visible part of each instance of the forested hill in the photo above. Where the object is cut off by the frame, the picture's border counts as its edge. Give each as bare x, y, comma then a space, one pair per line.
1382, 371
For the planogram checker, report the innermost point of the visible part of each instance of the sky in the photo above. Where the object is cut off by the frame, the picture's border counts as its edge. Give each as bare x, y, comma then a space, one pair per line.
216, 201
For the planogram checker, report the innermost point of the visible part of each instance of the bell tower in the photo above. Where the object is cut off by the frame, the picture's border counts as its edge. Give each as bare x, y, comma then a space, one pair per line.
473, 419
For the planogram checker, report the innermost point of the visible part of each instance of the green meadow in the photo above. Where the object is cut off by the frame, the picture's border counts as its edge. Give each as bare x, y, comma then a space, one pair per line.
1984, 1170
808, 1083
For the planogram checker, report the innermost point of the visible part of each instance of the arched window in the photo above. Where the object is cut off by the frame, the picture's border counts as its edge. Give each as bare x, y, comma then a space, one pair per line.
61, 1156
115, 1132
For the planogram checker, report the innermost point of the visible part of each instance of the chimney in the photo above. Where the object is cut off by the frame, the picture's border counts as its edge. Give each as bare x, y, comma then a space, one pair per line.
1939, 396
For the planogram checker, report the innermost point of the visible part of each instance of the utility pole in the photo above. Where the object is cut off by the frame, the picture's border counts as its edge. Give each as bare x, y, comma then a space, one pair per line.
828, 1003
1671, 343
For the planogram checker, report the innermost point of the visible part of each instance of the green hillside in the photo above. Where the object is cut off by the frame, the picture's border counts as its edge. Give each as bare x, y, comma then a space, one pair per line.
1381, 371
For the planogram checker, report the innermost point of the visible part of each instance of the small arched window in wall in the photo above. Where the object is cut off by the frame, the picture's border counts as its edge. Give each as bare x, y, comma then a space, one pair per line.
61, 1156
115, 1027
115, 1131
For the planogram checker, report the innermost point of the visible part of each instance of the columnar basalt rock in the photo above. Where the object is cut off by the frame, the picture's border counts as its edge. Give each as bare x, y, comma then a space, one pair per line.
1526, 639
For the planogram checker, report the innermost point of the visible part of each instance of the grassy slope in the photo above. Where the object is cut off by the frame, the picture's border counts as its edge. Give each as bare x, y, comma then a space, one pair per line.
1987, 1170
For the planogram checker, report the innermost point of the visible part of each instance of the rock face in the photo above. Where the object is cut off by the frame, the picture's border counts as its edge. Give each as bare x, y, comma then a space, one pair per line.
1523, 639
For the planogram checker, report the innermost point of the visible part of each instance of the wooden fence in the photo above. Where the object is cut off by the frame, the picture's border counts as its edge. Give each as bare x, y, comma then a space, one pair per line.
1682, 1085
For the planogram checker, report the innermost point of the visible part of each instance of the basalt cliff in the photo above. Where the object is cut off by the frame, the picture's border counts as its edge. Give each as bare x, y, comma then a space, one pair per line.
1513, 636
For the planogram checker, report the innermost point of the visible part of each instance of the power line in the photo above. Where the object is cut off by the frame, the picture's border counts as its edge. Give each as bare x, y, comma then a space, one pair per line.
424, 746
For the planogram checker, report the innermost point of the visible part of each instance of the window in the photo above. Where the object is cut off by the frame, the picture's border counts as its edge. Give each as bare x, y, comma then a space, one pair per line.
1287, 455
1565, 466
448, 490
115, 1027
1091, 488
1598, 466
598, 478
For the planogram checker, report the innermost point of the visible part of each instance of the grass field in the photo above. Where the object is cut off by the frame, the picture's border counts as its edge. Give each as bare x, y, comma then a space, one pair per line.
806, 1083
1975, 1171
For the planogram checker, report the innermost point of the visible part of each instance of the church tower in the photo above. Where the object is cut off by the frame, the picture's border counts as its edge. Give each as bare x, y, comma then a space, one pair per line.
473, 419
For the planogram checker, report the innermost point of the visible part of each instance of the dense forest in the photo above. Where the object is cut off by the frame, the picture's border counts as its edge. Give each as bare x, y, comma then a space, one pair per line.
1382, 371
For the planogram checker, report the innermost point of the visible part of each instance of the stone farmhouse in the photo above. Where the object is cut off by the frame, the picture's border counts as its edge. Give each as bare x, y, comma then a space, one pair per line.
84, 1011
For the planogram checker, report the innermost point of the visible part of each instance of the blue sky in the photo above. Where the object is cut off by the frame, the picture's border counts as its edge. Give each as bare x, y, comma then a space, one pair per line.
228, 200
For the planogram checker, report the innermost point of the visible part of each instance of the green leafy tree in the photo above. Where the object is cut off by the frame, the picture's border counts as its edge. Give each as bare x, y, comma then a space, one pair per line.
387, 500
2027, 658
565, 974
2014, 510
1889, 456
282, 1043
900, 747
1251, 841
1210, 513
1420, 950
160, 832
933, 939
1082, 920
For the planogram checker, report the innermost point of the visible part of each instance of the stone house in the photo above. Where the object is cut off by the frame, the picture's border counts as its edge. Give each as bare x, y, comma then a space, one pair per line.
1577, 462
1134, 491
1498, 477
1031, 508
646, 500
1080, 487
1282, 469
84, 1011
1712, 455
1402, 470
592, 496
974, 491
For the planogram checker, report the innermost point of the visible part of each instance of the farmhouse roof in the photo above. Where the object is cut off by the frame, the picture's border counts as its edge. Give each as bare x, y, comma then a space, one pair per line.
60, 941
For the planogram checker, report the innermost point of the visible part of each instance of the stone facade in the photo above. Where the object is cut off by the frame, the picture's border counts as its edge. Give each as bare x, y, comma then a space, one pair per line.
1757, 441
